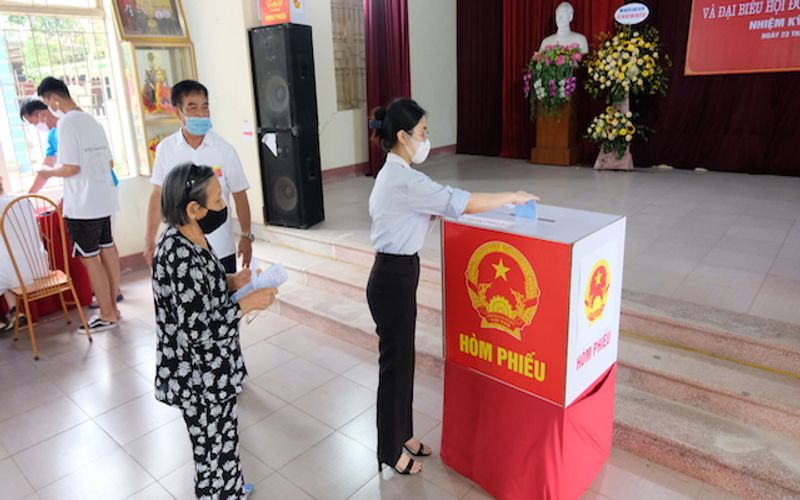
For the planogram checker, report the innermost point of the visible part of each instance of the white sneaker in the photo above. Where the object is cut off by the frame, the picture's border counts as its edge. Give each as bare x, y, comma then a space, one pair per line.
97, 324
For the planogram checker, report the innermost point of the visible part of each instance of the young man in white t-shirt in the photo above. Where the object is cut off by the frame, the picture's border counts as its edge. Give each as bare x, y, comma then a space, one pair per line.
196, 143
90, 199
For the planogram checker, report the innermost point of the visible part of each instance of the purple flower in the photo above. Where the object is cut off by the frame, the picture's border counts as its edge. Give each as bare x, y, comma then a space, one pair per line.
553, 89
570, 85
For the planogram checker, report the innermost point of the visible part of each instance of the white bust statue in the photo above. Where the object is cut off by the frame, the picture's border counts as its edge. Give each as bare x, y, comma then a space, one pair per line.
565, 36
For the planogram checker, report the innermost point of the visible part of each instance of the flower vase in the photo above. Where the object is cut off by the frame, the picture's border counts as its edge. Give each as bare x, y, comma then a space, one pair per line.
608, 160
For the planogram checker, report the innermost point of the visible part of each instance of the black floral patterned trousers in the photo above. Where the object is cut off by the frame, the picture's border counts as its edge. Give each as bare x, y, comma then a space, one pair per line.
213, 430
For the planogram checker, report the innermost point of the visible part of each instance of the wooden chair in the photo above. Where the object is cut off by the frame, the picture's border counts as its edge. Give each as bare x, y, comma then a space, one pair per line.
31, 225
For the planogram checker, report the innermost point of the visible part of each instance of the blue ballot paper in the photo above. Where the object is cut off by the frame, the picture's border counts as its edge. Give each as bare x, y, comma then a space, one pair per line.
273, 277
527, 210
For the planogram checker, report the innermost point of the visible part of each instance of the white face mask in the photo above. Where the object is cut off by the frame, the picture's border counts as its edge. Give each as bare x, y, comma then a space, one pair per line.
57, 112
421, 154
42, 127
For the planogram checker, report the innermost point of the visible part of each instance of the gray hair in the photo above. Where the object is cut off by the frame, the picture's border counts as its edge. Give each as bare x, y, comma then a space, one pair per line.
184, 184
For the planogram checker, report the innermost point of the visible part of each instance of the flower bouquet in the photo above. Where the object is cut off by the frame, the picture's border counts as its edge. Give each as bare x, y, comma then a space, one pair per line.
613, 130
627, 63
549, 79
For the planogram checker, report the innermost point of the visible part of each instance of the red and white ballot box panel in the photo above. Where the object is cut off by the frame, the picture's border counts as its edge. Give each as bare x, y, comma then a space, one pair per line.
534, 304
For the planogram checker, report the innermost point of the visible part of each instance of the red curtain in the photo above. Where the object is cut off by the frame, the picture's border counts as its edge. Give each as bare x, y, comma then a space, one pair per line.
525, 24
479, 66
733, 123
387, 64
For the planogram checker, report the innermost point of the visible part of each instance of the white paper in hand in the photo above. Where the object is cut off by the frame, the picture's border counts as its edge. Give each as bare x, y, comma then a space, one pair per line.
273, 277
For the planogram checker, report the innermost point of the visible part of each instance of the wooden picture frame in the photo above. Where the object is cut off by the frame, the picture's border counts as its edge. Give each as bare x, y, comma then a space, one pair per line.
152, 20
151, 70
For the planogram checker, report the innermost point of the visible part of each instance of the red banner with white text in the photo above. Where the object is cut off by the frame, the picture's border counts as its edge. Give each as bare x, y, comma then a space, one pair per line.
756, 36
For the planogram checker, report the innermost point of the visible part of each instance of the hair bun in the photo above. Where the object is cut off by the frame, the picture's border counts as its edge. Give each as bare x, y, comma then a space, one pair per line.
376, 124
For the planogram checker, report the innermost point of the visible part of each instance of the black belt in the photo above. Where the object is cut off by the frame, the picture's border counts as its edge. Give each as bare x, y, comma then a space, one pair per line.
390, 257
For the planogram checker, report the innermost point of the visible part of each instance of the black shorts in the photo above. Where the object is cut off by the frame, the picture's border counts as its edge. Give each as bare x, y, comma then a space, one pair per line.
89, 236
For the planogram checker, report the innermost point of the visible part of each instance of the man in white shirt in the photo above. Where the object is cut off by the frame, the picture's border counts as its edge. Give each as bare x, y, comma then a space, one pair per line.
196, 143
84, 158
37, 114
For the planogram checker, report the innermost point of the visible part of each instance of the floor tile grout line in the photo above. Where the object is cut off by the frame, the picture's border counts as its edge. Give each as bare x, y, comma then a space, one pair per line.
54, 435
326, 437
758, 292
118, 448
21, 471
687, 275
305, 393
36, 406
335, 429
149, 486
278, 472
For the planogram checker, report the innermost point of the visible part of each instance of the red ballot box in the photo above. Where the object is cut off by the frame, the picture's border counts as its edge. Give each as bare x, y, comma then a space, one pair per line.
531, 334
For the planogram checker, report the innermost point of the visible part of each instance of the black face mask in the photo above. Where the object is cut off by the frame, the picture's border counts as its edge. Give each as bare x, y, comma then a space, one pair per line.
213, 220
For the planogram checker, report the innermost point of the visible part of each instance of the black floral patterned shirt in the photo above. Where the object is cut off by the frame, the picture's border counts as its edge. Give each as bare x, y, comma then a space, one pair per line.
198, 356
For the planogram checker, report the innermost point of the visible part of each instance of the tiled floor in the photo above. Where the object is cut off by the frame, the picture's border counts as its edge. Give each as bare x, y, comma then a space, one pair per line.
730, 241
82, 423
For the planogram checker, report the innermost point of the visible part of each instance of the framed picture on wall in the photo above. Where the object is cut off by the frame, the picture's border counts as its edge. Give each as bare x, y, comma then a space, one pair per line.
158, 68
151, 70
157, 20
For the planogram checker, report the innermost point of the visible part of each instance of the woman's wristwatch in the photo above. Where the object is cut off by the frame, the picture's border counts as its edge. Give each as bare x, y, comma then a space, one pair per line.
250, 236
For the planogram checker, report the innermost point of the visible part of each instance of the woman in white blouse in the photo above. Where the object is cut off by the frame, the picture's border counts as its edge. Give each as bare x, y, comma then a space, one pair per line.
401, 205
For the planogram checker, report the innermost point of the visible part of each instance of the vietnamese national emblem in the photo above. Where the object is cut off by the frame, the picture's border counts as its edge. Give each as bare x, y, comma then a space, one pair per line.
596, 296
274, 5
502, 287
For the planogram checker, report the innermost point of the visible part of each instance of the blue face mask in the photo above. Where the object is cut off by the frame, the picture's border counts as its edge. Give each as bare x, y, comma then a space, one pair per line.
198, 125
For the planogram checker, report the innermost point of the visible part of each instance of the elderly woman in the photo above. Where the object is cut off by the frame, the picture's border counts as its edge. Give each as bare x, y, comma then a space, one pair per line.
199, 364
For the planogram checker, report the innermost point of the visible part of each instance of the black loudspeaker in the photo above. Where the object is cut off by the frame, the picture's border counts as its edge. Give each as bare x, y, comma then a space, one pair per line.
282, 58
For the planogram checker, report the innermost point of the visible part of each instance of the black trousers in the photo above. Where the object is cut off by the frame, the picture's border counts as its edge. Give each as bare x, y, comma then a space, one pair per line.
392, 298
229, 263
213, 430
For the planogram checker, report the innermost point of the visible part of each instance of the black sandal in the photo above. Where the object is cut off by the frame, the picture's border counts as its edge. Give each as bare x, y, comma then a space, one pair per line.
420, 452
405, 472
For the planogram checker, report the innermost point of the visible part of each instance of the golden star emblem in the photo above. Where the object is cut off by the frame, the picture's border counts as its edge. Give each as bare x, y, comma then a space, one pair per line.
500, 270
598, 279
